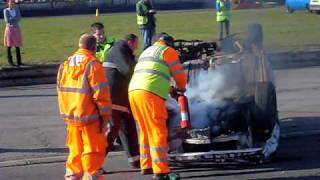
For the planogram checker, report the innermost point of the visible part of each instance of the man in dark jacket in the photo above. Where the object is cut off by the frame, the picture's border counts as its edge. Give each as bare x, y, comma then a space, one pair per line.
119, 65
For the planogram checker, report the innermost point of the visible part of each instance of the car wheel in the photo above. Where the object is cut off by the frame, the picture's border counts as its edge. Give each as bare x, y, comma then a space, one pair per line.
265, 113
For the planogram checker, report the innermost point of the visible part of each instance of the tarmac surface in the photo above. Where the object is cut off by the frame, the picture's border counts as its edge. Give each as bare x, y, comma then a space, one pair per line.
32, 136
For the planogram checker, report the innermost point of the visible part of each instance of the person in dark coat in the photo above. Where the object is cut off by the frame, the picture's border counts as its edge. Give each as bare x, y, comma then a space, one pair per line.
119, 66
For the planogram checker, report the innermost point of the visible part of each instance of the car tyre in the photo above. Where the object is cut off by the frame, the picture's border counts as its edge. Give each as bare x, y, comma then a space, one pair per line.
265, 113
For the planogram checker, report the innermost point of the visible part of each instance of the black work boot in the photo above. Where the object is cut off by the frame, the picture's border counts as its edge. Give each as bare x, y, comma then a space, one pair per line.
170, 176
146, 171
9, 56
18, 55
135, 164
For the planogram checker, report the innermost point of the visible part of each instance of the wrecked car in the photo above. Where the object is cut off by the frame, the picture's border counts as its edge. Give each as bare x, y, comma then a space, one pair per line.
232, 102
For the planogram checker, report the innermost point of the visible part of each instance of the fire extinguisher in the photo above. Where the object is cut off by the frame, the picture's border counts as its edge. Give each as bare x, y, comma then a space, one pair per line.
184, 110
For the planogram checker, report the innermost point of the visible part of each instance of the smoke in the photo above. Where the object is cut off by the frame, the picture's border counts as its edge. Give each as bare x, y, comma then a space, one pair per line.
203, 97
202, 92
205, 86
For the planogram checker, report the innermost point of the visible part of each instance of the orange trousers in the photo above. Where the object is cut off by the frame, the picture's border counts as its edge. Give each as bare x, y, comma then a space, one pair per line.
87, 146
149, 110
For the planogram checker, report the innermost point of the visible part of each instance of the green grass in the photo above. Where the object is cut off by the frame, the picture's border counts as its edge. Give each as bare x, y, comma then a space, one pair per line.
52, 39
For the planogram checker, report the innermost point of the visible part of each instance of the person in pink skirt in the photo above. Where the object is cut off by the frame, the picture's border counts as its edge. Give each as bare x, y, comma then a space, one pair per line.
12, 33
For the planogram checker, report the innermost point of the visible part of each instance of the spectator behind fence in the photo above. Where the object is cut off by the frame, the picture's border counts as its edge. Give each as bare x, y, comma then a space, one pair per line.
12, 33
146, 21
223, 8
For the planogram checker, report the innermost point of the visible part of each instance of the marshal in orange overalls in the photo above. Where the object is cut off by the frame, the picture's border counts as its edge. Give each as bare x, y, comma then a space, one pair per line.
85, 104
148, 90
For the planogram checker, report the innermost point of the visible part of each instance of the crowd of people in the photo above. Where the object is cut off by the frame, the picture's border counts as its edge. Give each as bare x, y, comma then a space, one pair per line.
145, 20
104, 92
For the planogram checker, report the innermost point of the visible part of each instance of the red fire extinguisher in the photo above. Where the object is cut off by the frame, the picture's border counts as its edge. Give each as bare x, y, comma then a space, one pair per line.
184, 110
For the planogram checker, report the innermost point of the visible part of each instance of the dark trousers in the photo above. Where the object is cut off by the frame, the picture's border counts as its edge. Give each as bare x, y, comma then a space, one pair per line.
226, 24
147, 34
123, 125
18, 56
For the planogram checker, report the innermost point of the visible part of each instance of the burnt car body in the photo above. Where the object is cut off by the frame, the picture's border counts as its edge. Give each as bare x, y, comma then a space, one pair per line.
232, 102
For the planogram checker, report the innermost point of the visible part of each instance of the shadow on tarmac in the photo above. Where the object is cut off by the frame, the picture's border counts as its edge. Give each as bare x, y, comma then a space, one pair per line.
123, 171
39, 150
208, 175
35, 87
292, 178
28, 96
47, 150
302, 125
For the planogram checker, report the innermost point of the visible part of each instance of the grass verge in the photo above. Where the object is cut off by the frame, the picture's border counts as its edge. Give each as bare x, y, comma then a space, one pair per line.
52, 39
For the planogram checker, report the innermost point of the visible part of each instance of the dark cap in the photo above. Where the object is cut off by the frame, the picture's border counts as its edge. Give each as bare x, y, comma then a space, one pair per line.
169, 40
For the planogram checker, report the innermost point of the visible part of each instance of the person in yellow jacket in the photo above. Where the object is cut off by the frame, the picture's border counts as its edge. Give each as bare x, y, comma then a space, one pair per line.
104, 42
148, 91
146, 21
223, 8
85, 105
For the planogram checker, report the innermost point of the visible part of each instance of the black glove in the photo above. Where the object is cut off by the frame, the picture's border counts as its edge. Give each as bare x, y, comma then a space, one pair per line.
173, 92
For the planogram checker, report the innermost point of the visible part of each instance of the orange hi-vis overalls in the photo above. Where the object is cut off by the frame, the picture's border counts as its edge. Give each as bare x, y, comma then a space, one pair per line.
148, 90
84, 103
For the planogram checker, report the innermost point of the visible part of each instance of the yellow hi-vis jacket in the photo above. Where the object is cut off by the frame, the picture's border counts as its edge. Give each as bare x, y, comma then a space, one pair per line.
155, 67
142, 13
223, 10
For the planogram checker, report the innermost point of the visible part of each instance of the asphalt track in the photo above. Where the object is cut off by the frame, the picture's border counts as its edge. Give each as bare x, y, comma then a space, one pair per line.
32, 136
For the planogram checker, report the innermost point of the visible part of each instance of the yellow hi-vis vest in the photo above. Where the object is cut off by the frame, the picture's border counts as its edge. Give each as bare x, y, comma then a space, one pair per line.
151, 72
224, 14
142, 20
104, 48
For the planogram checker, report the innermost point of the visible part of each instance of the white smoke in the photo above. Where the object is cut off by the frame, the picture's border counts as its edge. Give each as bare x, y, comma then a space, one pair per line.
208, 84
203, 97
202, 92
